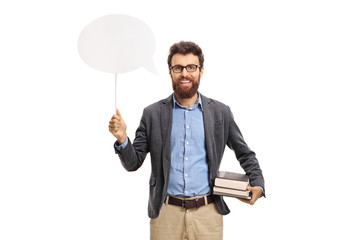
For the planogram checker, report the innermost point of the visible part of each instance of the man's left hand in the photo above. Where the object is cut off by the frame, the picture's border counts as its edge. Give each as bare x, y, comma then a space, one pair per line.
256, 193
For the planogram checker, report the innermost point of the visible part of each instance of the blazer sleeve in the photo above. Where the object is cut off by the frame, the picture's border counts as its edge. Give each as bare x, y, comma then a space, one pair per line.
244, 154
134, 154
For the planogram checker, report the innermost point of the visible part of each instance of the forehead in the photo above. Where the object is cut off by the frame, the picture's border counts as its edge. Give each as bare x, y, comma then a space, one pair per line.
184, 59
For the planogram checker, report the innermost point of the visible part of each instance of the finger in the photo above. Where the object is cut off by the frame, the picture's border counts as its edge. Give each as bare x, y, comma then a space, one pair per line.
116, 122
249, 188
115, 116
112, 126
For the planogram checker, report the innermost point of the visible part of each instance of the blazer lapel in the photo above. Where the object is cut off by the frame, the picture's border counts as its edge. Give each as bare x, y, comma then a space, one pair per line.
209, 128
166, 124
209, 123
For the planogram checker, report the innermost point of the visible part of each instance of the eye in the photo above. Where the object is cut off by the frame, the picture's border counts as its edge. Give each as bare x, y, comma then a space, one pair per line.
191, 67
177, 68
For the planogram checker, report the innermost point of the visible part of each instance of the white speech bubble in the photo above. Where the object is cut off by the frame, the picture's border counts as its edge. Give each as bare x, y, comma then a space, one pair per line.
117, 44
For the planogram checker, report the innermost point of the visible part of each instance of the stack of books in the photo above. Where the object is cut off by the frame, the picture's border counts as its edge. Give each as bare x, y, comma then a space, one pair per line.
232, 185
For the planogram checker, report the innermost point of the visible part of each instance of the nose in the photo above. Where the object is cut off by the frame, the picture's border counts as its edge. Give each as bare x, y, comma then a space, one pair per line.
184, 72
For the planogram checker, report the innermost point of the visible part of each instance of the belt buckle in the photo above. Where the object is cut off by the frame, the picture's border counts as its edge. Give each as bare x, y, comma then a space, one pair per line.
185, 205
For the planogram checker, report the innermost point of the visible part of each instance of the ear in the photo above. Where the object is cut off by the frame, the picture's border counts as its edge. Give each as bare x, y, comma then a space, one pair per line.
202, 71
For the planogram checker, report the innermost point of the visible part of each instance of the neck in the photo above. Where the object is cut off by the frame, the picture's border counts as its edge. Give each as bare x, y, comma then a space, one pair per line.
187, 102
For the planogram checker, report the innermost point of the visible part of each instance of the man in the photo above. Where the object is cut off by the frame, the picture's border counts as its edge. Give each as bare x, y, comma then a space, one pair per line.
186, 135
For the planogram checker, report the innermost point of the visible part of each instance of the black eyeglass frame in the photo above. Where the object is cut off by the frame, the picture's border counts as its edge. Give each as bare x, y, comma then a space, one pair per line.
182, 68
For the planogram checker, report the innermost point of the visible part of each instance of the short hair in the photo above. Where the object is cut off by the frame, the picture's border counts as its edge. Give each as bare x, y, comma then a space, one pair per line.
186, 48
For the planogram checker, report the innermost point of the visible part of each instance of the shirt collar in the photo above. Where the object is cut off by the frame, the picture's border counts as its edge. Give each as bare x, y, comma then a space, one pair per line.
198, 103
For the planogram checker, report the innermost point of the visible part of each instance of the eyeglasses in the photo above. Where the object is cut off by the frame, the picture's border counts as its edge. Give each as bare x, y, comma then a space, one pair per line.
189, 68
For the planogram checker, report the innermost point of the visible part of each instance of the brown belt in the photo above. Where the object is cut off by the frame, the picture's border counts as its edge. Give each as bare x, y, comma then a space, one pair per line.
193, 203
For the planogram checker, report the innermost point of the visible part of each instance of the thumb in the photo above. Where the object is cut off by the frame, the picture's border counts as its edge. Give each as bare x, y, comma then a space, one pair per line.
117, 112
249, 188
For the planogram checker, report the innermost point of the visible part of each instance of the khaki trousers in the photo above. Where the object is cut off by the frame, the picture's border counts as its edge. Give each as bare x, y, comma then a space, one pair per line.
177, 223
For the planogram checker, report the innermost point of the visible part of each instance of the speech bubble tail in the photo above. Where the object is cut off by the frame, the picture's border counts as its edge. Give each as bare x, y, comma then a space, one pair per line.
150, 67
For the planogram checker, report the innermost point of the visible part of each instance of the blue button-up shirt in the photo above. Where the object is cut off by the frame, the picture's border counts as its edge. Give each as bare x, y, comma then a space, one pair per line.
189, 172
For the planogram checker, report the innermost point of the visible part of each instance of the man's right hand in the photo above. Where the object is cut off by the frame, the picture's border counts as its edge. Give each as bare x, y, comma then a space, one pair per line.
117, 127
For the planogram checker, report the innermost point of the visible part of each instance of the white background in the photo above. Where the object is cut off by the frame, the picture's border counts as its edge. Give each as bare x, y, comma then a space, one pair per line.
288, 70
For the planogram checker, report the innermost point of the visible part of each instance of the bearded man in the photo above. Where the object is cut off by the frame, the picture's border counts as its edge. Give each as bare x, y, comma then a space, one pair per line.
186, 135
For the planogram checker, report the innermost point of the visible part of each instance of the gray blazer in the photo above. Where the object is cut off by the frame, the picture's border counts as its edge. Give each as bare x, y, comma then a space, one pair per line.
153, 135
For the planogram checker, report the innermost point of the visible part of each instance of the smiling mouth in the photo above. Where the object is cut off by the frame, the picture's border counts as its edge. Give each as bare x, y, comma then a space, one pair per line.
185, 82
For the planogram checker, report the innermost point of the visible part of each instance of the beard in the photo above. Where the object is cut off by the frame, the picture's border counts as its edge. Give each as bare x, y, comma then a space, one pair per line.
182, 92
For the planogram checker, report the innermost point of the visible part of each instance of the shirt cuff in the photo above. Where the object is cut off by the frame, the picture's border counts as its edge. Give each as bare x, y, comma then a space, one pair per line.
122, 146
261, 188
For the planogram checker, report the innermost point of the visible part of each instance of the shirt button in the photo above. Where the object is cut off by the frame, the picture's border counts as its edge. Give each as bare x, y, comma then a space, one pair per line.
187, 126
186, 158
186, 192
185, 174
187, 142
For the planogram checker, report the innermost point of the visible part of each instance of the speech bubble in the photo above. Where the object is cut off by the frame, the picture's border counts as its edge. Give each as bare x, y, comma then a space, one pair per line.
117, 44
